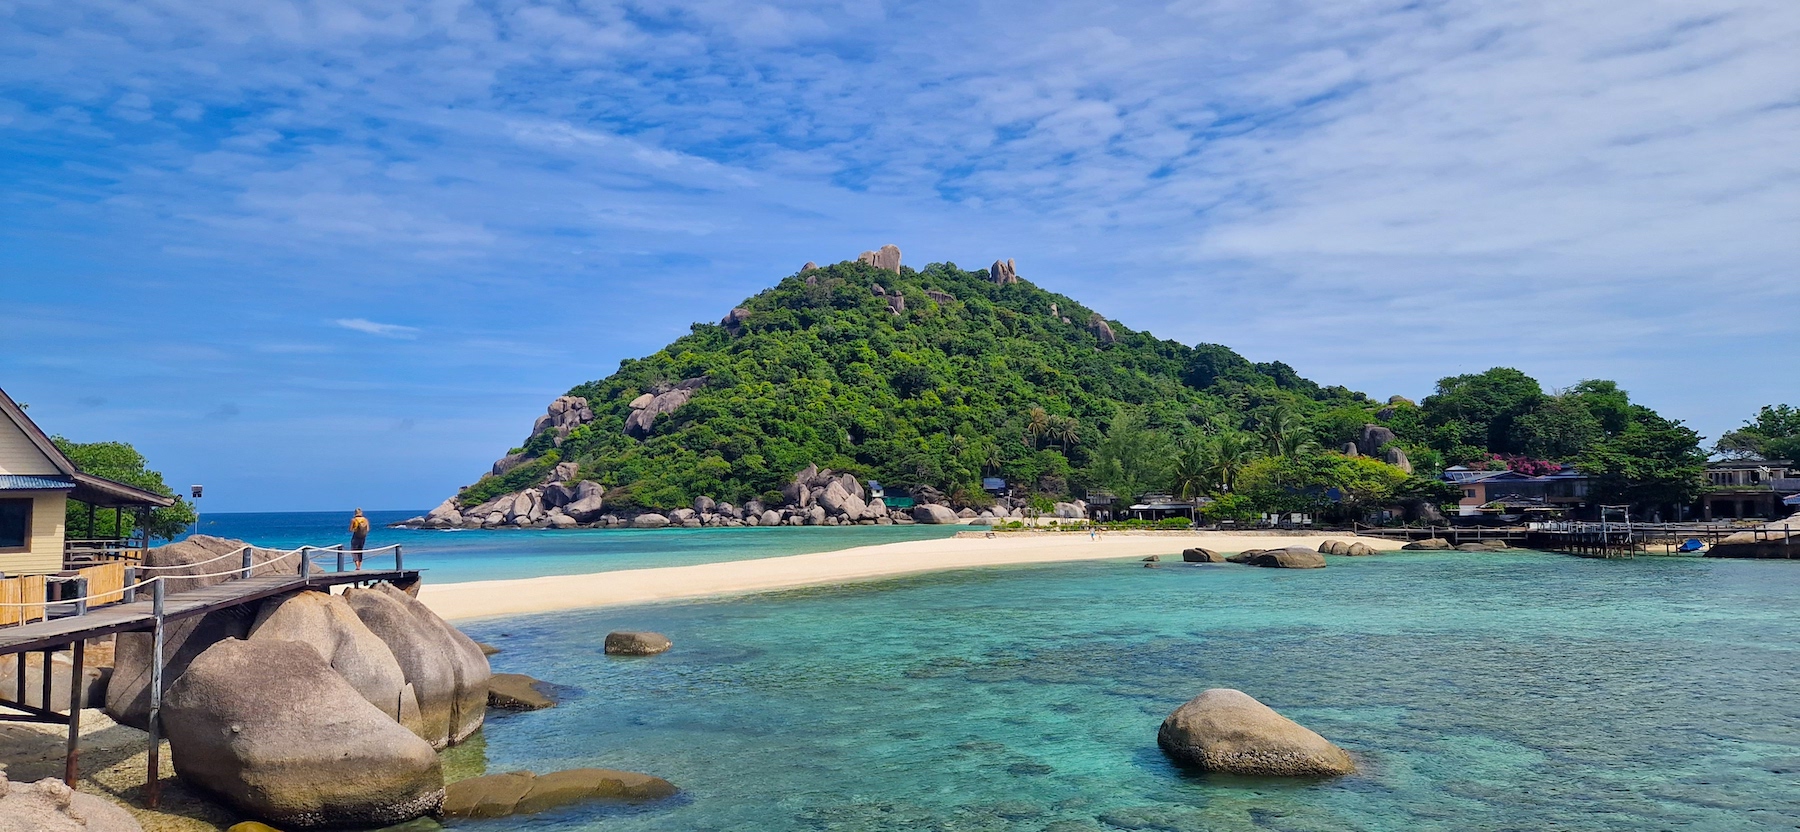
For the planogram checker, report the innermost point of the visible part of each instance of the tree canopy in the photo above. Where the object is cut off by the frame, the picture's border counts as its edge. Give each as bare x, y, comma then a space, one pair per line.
120, 462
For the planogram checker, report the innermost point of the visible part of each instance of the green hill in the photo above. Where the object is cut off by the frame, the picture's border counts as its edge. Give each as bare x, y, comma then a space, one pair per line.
977, 375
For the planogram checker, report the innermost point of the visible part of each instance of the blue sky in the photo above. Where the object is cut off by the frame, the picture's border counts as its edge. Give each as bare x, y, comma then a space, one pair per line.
323, 254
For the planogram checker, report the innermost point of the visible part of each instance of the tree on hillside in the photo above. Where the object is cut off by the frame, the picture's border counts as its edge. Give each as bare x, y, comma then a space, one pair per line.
1652, 462
1132, 459
1474, 413
1773, 434
120, 462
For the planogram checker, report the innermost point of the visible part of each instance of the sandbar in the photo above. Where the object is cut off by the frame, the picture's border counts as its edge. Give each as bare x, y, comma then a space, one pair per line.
523, 596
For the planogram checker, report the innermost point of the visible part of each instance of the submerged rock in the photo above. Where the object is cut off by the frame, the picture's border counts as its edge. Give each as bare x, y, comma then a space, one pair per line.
273, 731
524, 793
629, 643
517, 692
1227, 730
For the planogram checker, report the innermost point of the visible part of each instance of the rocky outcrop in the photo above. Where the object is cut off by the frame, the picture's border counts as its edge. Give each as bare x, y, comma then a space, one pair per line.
1373, 439
1245, 556
1430, 544
938, 297
128, 692
634, 643
734, 320
1396, 457
1350, 449
810, 266
271, 730
1004, 273
447, 670
525, 793
663, 401
564, 415
897, 303
517, 692
887, 257
1227, 730
1351, 548
1201, 555
588, 502
1102, 329
649, 521
1296, 557
50, 806
326, 623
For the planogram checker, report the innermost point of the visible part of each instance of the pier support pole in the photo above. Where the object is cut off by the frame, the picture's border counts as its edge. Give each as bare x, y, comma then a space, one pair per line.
72, 762
153, 789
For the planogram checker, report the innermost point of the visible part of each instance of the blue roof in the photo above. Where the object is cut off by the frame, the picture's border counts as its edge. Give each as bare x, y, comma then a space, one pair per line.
26, 482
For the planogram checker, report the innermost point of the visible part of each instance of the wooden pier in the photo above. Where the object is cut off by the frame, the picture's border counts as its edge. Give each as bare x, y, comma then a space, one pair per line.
82, 623
1456, 535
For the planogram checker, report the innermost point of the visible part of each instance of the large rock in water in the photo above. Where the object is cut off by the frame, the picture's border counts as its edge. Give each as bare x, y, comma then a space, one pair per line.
273, 731
1201, 555
1297, 557
933, 513
447, 670
50, 806
1430, 544
128, 693
634, 643
326, 623
1229, 731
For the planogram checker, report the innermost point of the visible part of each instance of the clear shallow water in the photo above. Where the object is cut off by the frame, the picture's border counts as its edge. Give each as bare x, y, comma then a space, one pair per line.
1516, 691
476, 554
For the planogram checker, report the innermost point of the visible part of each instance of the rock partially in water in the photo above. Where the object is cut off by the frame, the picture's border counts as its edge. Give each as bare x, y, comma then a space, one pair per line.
1201, 555
273, 731
1430, 544
1296, 557
1245, 556
524, 793
447, 670
1229, 731
517, 692
630, 643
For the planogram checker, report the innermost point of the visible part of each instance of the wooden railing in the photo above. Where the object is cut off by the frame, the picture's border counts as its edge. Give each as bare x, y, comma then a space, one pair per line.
25, 595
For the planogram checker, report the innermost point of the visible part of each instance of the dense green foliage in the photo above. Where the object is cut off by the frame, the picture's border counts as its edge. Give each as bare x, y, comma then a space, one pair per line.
1773, 434
1016, 382
120, 462
992, 383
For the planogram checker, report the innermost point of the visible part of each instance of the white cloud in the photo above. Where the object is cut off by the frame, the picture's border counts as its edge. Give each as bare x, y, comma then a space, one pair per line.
374, 328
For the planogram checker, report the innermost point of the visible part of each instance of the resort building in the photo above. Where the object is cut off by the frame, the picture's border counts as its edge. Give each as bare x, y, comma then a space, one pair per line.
1748, 489
1513, 493
36, 484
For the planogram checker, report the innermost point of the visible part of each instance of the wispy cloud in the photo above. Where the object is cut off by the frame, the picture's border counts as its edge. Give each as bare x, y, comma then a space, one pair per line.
1386, 176
381, 329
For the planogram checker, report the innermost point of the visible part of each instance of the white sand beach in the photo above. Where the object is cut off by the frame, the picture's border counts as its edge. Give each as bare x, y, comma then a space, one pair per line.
487, 599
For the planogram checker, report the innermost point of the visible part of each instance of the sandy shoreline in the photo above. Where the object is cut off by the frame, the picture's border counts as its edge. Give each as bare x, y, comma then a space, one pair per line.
490, 599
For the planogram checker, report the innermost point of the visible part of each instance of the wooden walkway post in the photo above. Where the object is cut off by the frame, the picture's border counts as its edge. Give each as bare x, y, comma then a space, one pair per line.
153, 789
71, 763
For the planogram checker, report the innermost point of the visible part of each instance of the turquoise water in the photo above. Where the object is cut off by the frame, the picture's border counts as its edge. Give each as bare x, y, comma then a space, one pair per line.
1514, 691
474, 554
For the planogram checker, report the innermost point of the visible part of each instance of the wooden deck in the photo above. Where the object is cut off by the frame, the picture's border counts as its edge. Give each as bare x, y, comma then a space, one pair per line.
140, 615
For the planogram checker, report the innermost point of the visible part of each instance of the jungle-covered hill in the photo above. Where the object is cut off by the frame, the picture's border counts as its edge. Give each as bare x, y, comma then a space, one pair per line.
941, 376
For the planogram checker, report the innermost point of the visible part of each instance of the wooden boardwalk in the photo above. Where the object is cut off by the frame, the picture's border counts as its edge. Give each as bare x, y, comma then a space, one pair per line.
153, 615
141, 615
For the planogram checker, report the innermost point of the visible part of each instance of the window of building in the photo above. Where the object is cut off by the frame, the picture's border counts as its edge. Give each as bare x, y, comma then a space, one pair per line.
1468, 492
15, 525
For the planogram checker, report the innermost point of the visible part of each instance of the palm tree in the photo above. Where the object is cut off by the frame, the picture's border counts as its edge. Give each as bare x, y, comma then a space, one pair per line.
1067, 430
1231, 452
1037, 423
1282, 434
1193, 472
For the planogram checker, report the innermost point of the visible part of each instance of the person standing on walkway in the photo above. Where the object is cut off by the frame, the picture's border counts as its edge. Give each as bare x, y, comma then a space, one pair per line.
359, 533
